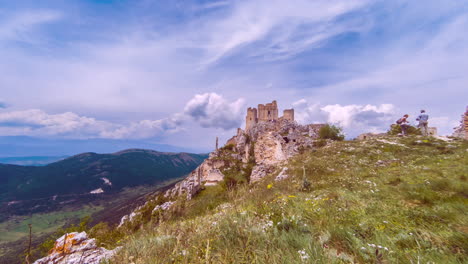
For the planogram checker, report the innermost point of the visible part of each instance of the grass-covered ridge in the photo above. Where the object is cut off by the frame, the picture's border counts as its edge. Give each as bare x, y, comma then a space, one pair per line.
392, 200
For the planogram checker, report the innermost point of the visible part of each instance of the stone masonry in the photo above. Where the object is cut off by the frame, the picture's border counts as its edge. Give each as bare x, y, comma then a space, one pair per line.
265, 113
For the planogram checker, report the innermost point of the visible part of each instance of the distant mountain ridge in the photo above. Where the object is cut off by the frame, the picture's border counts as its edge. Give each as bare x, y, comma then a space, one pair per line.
21, 146
31, 160
89, 174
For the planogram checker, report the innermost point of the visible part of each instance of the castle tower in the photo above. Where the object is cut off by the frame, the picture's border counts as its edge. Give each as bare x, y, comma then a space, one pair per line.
288, 114
251, 118
268, 112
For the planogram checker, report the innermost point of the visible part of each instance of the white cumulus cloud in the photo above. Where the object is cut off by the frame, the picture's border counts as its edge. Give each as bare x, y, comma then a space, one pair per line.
354, 119
208, 110
212, 110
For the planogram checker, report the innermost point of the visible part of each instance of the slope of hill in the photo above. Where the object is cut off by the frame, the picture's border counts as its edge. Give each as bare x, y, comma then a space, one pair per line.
90, 173
105, 186
385, 200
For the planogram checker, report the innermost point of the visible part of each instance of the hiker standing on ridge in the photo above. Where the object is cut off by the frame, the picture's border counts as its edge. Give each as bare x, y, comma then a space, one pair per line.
403, 124
422, 118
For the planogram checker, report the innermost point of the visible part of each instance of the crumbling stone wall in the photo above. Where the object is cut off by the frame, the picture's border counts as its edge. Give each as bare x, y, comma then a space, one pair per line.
268, 112
265, 113
251, 118
288, 114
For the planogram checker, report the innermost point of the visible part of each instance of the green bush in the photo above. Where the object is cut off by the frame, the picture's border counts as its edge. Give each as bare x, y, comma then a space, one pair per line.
331, 132
228, 147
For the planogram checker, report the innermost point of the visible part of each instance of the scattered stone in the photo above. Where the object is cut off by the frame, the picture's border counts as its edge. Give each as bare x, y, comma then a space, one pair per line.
76, 248
165, 206
367, 136
282, 175
391, 143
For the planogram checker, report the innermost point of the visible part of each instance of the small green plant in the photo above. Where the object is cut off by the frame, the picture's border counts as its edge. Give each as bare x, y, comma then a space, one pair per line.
228, 147
331, 132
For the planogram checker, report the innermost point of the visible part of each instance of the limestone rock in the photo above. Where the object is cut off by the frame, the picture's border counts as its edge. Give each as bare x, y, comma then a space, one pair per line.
76, 248
282, 175
260, 171
268, 149
127, 218
165, 206
462, 130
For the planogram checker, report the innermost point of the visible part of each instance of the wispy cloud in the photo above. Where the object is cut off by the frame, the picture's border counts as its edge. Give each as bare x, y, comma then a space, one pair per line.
21, 26
280, 29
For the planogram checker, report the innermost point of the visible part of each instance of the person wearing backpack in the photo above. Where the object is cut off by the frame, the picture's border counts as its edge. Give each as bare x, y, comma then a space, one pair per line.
403, 124
423, 121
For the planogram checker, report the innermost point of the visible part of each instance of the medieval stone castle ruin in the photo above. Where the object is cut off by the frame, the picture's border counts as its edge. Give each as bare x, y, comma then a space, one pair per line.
267, 140
265, 113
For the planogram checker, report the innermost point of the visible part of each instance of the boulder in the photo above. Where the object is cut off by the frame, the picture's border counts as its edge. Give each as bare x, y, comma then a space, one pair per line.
76, 248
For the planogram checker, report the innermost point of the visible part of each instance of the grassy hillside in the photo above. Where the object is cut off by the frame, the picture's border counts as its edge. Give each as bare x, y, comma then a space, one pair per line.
392, 200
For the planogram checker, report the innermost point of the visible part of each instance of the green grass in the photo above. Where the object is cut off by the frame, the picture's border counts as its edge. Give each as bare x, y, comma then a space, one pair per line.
17, 227
401, 200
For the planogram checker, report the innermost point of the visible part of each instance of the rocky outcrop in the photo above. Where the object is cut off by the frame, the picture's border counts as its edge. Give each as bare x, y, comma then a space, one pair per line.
462, 130
164, 207
265, 144
76, 248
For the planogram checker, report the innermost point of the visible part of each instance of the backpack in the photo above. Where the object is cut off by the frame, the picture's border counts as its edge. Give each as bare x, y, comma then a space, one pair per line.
399, 121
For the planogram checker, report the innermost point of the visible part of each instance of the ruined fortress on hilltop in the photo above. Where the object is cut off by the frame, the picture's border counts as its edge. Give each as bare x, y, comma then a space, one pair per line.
265, 144
264, 113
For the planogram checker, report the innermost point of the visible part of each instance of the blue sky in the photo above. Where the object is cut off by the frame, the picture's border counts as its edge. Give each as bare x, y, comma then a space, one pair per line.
182, 72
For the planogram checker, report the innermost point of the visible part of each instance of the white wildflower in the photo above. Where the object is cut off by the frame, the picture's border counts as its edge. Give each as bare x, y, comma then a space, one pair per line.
303, 255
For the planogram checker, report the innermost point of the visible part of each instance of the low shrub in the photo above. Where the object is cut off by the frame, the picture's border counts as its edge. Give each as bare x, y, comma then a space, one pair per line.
331, 132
